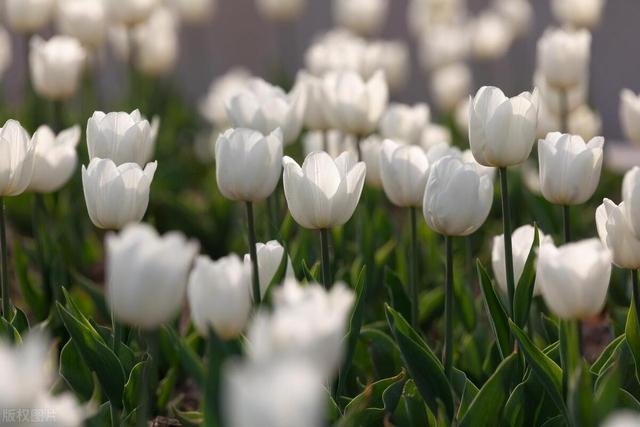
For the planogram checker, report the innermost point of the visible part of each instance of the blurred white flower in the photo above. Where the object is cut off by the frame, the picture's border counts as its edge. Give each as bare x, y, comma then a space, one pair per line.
28, 16
467, 157
563, 57
269, 257
629, 112
425, 14
449, 85
552, 97
631, 198
56, 66
6, 52
194, 11
392, 57
585, 122
281, 11
622, 418
312, 87
85, 20
435, 134
222, 89
517, 13
333, 141
131, 12
147, 274
156, 43
364, 17
404, 170
444, 45
405, 123
440, 150
461, 116
578, 13
17, 158
336, 50
55, 158
616, 234
370, 150
492, 36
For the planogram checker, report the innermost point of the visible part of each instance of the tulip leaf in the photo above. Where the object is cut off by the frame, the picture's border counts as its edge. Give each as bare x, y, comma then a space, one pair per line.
580, 401
376, 400
19, 320
8, 331
101, 418
188, 358
497, 314
632, 334
132, 389
606, 391
524, 289
464, 389
278, 276
36, 299
514, 411
607, 356
75, 372
311, 274
423, 366
569, 350
397, 293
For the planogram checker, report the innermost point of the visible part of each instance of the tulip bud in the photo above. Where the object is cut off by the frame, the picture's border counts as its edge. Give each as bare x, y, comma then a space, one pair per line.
269, 257
17, 159
131, 12
442, 45
630, 115
147, 274
616, 234
116, 195
219, 295
563, 57
28, 16
314, 116
521, 242
122, 137
569, 168
585, 122
574, 278
631, 197
502, 130
280, 11
156, 43
248, 164
405, 123
222, 89
370, 150
55, 158
622, 418
556, 99
56, 66
404, 170
354, 105
364, 17
323, 193
85, 20
578, 13
337, 50
449, 85
264, 108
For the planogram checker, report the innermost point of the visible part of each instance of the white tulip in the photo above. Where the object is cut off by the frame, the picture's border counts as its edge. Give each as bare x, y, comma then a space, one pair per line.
56, 66
390, 56
622, 418
630, 115
55, 158
269, 257
521, 242
248, 164
194, 11
156, 43
492, 36
631, 197
517, 13
131, 12
569, 168
467, 156
370, 150
323, 193
563, 56
435, 134
147, 274
17, 158
28, 16
616, 234
440, 150
219, 294
116, 195
354, 105
502, 130
361, 16
444, 45
457, 199
6, 52
578, 13
553, 98
264, 107
281, 11
574, 278
85, 20
404, 170
405, 123
336, 50
213, 106
461, 116
314, 116
449, 85
122, 137
585, 122
333, 141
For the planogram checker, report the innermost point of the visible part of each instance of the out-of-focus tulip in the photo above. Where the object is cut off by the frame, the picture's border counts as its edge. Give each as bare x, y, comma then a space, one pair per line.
631, 197
269, 257
552, 97
194, 11
28, 16
248, 164
517, 13
364, 17
6, 52
457, 199
392, 57
213, 106
578, 13
323, 193
56, 66
461, 116
435, 134
314, 115
569, 168
85, 20
440, 150
354, 105
120, 41
55, 158
449, 85
563, 56
444, 45
337, 50
17, 157
467, 156
574, 278
622, 418
204, 146
264, 107
630, 115
585, 122
116, 195
280, 393
219, 294
404, 170
502, 130
616, 234
405, 123
122, 137
492, 36
521, 241
131, 12
333, 141
147, 274
370, 150
156, 42
281, 11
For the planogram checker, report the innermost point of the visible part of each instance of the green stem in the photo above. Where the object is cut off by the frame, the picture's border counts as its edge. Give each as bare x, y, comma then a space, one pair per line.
448, 309
253, 253
506, 225
635, 292
324, 255
413, 262
57, 121
580, 338
566, 221
212, 387
38, 212
115, 421
117, 334
6, 303
149, 378
564, 111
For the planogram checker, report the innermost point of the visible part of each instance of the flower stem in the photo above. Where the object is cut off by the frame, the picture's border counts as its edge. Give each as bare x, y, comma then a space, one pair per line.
117, 333
566, 221
212, 387
324, 254
448, 309
564, 111
413, 262
149, 377
506, 225
253, 253
635, 292
6, 303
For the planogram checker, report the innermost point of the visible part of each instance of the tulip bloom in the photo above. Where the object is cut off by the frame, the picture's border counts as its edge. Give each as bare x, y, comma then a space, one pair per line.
405, 123
131, 12
314, 115
631, 197
147, 274
404, 170
281, 11
55, 158
213, 106
56, 66
630, 115
194, 11
578, 13
156, 43
364, 17
116, 195
616, 234
371, 150
85, 20
28, 16
269, 257
563, 57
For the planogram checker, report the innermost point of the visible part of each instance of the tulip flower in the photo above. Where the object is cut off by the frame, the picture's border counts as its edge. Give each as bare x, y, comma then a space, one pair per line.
194, 11
450, 85
281, 11
122, 137
364, 17
156, 43
440, 150
323, 193
467, 157
314, 115
269, 258
56, 66
55, 158
264, 108
492, 36
616, 234
578, 13
443, 45
86, 20
219, 295
147, 274
405, 123
370, 150
336, 50
28, 16
563, 57
631, 197
116, 195
333, 141
434, 134
213, 106
6, 52
131, 12
390, 56
517, 13
630, 115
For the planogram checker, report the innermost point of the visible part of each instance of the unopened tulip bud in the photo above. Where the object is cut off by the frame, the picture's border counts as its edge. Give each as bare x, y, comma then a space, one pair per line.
86, 20
404, 170
269, 258
17, 160
563, 57
28, 16
616, 234
631, 197
55, 158
56, 66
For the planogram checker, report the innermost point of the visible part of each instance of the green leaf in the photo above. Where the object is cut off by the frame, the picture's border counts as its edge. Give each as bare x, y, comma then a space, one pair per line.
188, 358
497, 315
101, 418
569, 350
35, 298
514, 412
632, 334
75, 372
311, 274
524, 289
580, 401
8, 331
423, 366
487, 405
397, 293
557, 421
383, 252
369, 407
465, 390
19, 320
132, 389
605, 358
606, 391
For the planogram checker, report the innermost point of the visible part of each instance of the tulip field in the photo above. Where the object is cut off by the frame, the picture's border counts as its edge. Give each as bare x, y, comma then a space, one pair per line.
305, 248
